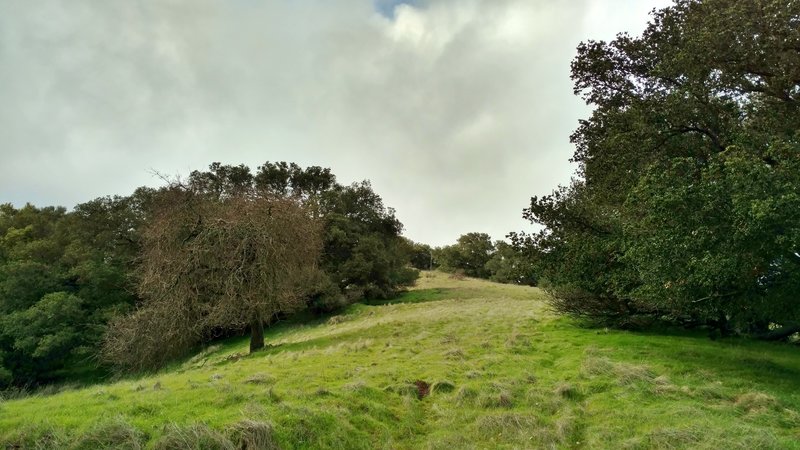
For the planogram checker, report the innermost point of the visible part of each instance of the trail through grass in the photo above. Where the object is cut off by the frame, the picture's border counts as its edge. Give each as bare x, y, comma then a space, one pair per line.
451, 364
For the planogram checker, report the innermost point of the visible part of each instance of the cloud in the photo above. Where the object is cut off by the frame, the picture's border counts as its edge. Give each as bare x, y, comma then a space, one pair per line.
457, 110
387, 7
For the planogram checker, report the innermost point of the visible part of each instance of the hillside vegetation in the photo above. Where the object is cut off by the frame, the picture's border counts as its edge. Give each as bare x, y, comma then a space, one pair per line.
450, 364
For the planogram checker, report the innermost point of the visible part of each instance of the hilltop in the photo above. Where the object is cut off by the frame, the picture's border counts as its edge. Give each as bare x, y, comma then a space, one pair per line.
452, 363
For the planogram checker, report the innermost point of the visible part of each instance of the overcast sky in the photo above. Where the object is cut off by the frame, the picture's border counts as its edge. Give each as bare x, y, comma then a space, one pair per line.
458, 111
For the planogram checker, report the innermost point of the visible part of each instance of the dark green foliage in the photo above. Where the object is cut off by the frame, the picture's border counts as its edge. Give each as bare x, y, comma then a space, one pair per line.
508, 265
364, 255
65, 275
469, 255
687, 206
475, 255
62, 276
422, 256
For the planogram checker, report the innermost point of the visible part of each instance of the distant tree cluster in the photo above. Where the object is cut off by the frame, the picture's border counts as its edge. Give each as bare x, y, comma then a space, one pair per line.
148, 276
475, 255
229, 249
687, 205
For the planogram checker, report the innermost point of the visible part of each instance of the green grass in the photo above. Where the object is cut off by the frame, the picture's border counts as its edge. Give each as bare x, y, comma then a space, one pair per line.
500, 371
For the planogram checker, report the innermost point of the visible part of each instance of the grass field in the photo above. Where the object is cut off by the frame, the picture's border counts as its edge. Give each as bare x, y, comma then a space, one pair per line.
452, 364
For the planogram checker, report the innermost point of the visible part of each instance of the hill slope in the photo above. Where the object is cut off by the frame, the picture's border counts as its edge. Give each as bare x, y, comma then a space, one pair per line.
493, 367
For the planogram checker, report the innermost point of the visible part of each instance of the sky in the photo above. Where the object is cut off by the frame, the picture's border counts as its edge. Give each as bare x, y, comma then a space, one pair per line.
457, 111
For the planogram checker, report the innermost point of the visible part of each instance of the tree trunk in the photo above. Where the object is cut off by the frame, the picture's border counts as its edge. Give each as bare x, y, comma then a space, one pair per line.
256, 335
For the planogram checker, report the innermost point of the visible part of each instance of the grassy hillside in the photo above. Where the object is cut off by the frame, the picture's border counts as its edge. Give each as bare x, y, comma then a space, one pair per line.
493, 367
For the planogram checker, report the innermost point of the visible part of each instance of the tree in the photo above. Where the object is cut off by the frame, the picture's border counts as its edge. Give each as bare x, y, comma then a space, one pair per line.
685, 204
364, 254
421, 256
508, 265
212, 261
469, 254
63, 276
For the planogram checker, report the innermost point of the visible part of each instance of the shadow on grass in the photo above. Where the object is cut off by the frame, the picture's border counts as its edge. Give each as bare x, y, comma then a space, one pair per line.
769, 365
417, 296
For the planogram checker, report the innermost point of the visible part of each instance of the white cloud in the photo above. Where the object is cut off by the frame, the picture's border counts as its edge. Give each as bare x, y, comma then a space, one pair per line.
458, 111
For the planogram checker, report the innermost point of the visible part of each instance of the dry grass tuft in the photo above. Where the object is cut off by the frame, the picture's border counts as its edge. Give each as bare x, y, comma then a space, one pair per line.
260, 378
756, 402
360, 345
625, 374
663, 386
194, 437
116, 434
596, 365
454, 353
713, 391
442, 387
403, 389
449, 339
517, 341
253, 435
501, 399
335, 320
567, 391
628, 374
472, 374
523, 429
254, 409
566, 426
530, 378
358, 385
495, 424
458, 275
321, 392
674, 437
36, 438
466, 394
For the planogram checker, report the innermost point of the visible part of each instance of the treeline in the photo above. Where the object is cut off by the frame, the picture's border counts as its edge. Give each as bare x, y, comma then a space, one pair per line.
65, 276
686, 208
476, 255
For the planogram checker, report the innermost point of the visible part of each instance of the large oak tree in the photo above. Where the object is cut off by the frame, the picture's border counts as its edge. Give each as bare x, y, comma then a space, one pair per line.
212, 262
686, 203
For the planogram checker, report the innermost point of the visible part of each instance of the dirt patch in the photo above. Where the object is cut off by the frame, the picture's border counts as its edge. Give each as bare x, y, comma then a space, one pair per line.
423, 389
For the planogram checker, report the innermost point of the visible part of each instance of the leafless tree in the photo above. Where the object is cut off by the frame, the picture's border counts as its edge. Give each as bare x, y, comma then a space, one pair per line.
215, 262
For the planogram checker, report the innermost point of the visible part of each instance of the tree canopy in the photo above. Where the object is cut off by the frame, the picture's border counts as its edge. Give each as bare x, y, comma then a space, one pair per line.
65, 275
213, 262
686, 204
476, 255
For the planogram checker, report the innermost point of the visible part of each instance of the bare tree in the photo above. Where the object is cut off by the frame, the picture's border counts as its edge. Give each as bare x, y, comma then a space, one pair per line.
215, 262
